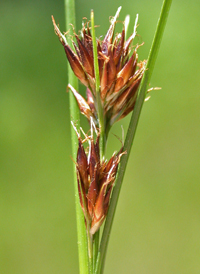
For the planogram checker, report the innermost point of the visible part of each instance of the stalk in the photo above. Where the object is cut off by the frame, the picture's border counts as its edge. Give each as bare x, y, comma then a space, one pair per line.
90, 250
101, 123
98, 96
131, 133
75, 116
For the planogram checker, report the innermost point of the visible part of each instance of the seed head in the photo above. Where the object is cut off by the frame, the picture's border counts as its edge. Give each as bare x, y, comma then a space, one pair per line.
95, 179
119, 70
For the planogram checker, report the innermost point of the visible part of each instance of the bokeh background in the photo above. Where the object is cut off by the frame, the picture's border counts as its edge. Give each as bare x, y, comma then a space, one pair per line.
157, 224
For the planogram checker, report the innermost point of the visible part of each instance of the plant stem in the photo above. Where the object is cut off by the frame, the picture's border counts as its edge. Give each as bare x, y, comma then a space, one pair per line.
90, 250
95, 248
131, 133
98, 95
75, 116
101, 123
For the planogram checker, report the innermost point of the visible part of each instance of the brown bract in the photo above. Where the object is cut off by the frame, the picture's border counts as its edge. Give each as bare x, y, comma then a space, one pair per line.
95, 180
119, 70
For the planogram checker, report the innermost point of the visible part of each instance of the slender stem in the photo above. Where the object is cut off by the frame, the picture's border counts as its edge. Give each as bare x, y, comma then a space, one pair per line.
131, 133
74, 113
98, 95
95, 248
101, 122
90, 250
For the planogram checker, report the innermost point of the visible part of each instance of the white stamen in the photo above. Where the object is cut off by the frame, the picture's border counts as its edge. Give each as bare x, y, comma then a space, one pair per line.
75, 130
83, 26
111, 170
146, 99
119, 35
135, 26
91, 126
116, 15
156, 88
126, 24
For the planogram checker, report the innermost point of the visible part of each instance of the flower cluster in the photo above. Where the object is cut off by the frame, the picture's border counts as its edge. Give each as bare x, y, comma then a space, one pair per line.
119, 70
95, 180
120, 75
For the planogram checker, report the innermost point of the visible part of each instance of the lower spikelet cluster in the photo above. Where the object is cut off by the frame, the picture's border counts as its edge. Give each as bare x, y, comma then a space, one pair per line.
95, 179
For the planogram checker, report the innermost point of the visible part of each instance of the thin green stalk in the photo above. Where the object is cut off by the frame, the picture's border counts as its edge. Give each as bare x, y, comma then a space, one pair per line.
95, 248
101, 123
98, 96
131, 133
75, 116
90, 250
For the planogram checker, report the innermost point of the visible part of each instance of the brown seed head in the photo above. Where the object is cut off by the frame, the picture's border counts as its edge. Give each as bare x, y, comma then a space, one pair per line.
120, 72
95, 180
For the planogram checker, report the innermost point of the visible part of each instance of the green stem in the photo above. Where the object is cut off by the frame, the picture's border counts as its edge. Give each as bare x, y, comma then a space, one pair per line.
101, 123
75, 116
95, 248
90, 250
98, 94
131, 133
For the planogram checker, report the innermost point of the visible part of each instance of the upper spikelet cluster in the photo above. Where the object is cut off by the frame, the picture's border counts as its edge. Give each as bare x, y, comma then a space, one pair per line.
119, 70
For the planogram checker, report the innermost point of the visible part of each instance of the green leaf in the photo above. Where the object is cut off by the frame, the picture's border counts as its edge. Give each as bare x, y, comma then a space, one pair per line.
131, 133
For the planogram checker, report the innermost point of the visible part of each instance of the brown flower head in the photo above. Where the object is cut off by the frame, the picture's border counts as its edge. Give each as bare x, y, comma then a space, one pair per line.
119, 71
95, 179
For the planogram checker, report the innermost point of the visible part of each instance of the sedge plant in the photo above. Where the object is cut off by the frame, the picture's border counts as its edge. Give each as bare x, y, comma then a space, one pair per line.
116, 84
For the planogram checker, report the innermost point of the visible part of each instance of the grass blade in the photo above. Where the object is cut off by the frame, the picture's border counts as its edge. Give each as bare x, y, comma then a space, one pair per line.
131, 133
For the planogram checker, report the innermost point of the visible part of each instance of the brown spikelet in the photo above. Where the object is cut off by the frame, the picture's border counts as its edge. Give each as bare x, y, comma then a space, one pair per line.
82, 165
83, 105
86, 58
76, 65
125, 73
119, 48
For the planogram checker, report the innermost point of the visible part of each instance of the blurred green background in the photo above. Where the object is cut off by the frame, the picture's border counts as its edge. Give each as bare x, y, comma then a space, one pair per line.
157, 225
